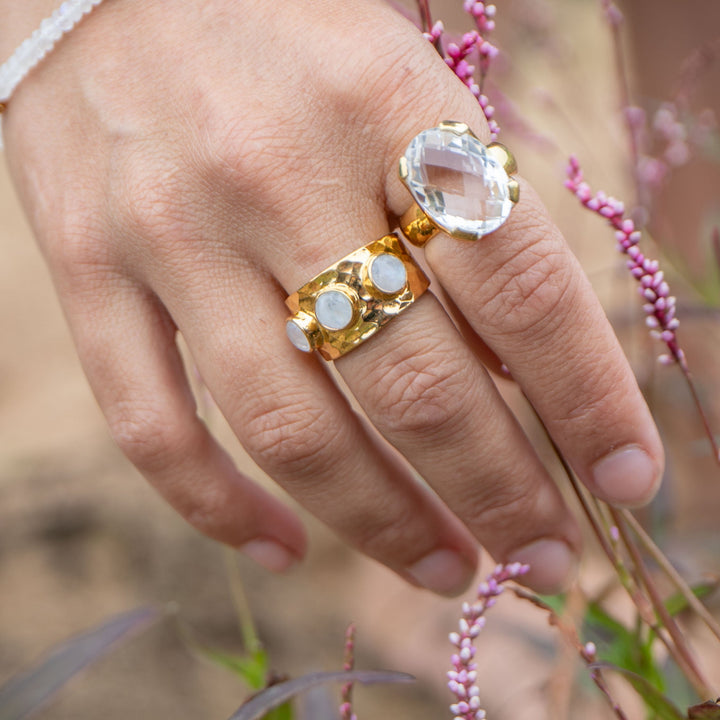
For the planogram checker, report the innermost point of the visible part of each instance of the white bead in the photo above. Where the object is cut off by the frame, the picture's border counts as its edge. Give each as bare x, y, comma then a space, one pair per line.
64, 18
34, 48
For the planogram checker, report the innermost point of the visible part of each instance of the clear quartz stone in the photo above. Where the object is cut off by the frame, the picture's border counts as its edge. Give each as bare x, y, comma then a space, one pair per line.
297, 336
333, 310
388, 273
457, 183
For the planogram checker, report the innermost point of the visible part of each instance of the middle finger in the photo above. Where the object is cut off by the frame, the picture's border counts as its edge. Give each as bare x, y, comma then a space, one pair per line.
425, 391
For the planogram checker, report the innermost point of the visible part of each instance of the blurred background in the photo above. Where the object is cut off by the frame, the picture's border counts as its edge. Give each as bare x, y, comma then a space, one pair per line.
82, 537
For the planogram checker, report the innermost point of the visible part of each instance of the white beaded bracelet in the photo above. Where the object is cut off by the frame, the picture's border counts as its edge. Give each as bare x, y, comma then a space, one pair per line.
38, 45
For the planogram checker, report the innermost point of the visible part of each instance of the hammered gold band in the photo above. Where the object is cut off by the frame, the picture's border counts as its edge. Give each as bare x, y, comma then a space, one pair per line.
351, 300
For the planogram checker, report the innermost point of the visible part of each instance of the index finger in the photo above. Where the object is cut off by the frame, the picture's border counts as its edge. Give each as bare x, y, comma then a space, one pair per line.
525, 294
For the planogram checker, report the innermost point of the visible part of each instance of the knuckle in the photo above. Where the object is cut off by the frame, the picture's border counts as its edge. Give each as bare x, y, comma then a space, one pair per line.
152, 198
421, 394
245, 148
531, 290
78, 252
393, 534
150, 438
592, 392
206, 510
499, 512
289, 436
153, 210
387, 83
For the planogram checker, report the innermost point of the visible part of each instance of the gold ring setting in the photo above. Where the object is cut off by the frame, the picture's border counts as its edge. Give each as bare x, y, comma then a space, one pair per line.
351, 300
459, 186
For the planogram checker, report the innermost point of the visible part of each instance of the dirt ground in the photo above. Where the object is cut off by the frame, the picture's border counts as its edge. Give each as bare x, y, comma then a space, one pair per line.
82, 537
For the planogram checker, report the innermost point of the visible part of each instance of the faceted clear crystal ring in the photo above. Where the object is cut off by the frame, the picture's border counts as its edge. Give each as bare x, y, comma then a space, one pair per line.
460, 186
351, 300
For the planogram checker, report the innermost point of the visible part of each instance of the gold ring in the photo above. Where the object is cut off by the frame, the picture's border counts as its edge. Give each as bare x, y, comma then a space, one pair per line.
351, 300
460, 186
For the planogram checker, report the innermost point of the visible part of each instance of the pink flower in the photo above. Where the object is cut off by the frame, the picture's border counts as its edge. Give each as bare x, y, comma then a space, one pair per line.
435, 32
474, 44
659, 305
462, 678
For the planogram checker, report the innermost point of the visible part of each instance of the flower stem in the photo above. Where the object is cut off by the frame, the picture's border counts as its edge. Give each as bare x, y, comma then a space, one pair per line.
635, 579
682, 653
657, 555
346, 707
586, 652
699, 407
249, 635
425, 17
615, 21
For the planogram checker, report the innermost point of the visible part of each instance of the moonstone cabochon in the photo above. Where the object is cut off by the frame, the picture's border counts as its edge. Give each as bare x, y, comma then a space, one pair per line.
334, 310
297, 336
387, 273
460, 186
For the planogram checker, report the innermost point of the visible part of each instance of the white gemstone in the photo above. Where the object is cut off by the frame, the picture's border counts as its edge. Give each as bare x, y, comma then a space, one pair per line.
388, 273
297, 336
457, 183
333, 310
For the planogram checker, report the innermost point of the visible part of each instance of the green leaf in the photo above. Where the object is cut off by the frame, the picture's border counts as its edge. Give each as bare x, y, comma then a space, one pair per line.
621, 646
252, 668
655, 700
677, 602
600, 618
283, 712
556, 602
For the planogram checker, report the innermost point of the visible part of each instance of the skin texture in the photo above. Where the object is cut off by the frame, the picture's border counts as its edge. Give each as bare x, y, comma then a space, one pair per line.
198, 166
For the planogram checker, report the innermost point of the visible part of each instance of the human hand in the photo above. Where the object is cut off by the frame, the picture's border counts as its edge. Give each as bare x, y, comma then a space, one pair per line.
194, 167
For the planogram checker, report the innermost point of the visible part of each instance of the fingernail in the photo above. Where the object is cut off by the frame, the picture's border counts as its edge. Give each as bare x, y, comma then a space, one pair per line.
270, 554
552, 563
627, 476
442, 571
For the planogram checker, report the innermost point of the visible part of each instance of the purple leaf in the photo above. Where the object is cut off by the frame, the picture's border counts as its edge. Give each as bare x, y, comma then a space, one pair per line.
24, 694
318, 703
705, 711
275, 695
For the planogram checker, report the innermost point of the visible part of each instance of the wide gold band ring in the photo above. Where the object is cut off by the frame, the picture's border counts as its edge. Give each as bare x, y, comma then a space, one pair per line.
351, 300
460, 186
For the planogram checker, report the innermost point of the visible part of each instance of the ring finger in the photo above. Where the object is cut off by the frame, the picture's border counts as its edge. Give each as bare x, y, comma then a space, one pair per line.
425, 391
289, 415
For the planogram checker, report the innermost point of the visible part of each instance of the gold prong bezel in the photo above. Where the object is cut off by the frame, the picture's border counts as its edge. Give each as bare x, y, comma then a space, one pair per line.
403, 168
459, 128
503, 156
462, 234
